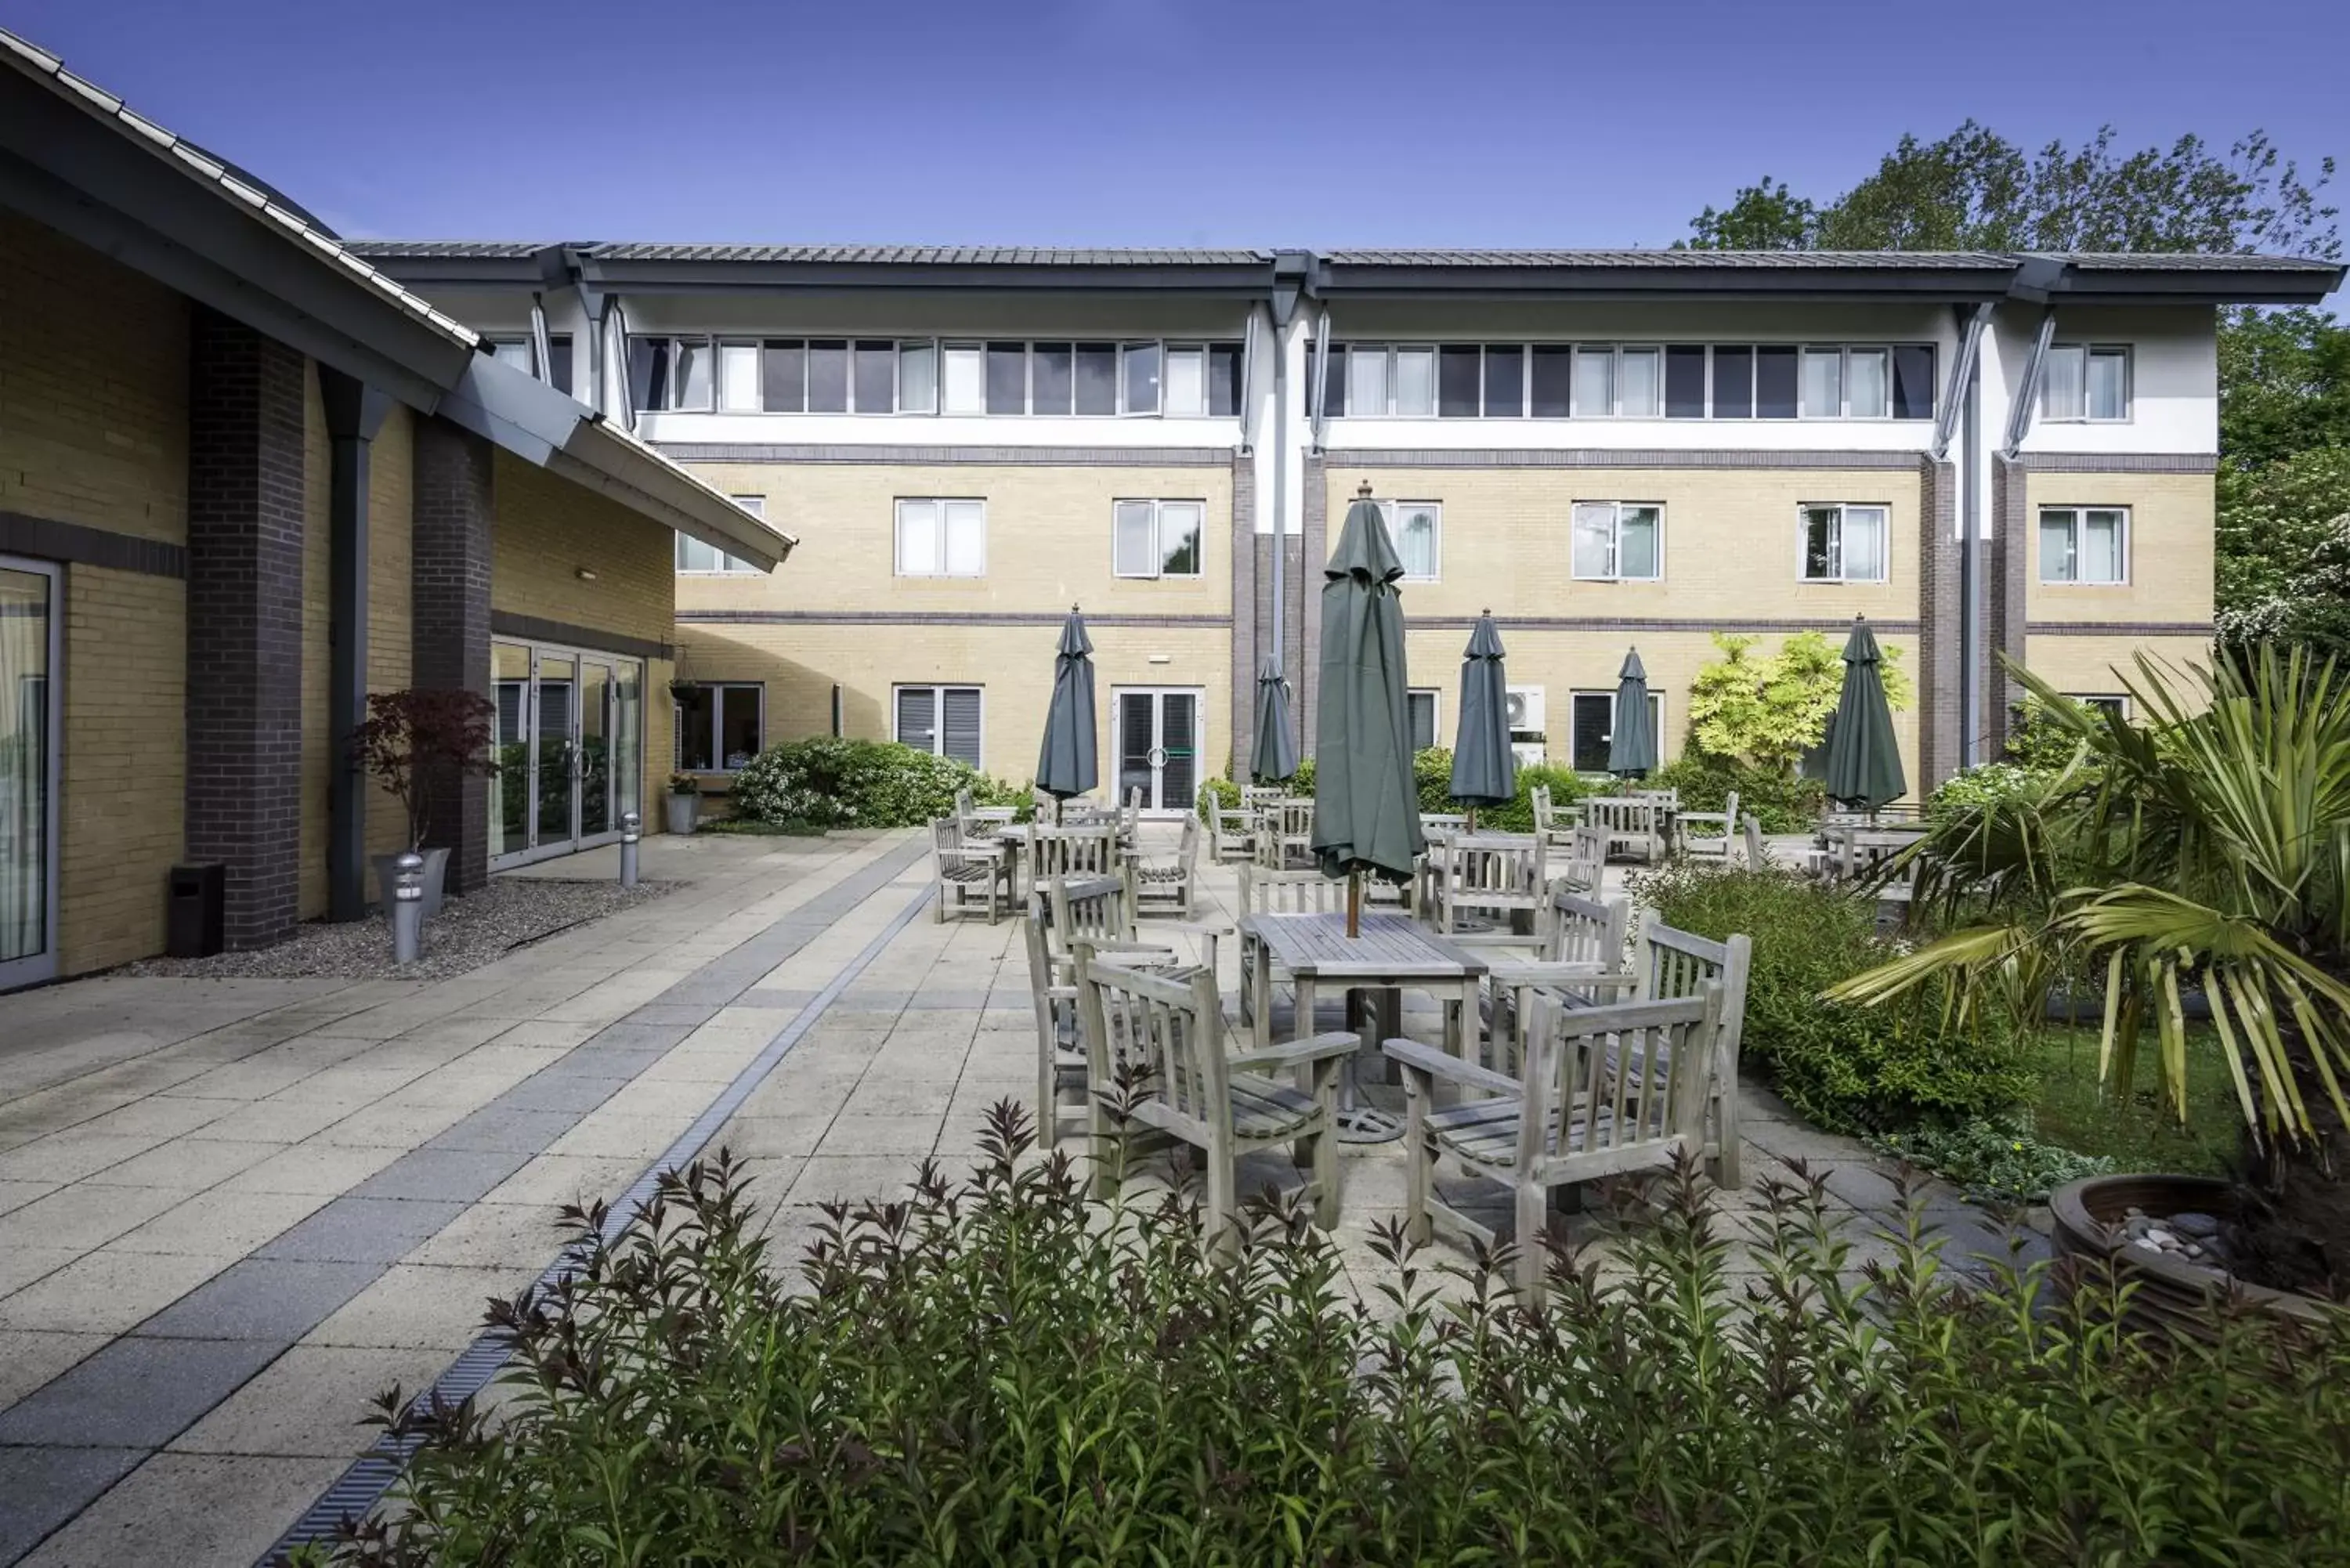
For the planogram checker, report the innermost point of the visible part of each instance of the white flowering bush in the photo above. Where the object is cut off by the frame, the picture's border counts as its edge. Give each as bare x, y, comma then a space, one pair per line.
829, 783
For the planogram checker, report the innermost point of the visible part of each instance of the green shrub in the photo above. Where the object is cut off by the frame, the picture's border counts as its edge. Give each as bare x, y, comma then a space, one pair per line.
1992, 784
1847, 1068
996, 1373
827, 782
1218, 794
1997, 1160
1432, 777
1781, 799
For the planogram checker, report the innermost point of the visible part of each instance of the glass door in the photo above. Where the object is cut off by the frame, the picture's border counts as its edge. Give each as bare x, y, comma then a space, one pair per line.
1158, 745
29, 657
598, 815
554, 793
510, 785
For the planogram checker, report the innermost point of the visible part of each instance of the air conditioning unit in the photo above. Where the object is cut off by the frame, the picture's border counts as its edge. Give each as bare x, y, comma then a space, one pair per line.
1526, 712
1529, 753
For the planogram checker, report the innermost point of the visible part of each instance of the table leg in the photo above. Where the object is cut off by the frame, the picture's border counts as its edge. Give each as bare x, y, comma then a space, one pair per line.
1261, 982
1301, 1027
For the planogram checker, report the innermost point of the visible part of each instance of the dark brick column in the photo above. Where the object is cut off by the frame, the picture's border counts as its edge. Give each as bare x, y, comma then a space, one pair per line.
450, 577
2003, 591
246, 407
1940, 717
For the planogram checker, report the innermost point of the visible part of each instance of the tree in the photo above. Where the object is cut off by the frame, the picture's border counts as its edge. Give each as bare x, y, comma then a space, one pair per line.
2284, 551
1767, 712
2284, 385
413, 736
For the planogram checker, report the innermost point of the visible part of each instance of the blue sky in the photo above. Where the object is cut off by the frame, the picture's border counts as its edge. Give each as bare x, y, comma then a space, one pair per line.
1154, 122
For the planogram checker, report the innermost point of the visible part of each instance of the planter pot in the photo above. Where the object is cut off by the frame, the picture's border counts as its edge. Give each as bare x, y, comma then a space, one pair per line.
436, 867
2172, 1293
684, 812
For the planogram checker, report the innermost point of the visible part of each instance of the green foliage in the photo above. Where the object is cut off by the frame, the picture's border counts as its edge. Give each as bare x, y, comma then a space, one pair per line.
1781, 801
1218, 794
1993, 1159
1991, 785
2283, 543
2284, 389
828, 782
1432, 777
1844, 1067
1768, 711
996, 1372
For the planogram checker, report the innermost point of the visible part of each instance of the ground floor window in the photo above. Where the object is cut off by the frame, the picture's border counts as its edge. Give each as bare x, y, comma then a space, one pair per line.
945, 721
29, 653
1422, 702
1593, 728
720, 726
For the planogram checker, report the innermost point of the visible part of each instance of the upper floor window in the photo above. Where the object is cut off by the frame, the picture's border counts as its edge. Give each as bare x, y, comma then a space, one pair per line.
1156, 538
945, 721
1416, 527
2085, 382
942, 538
1640, 381
519, 353
929, 376
2083, 544
693, 556
1618, 541
1843, 544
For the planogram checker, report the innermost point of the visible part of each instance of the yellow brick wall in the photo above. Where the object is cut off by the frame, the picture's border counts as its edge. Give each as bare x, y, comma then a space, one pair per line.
2086, 665
2170, 547
93, 388
548, 529
391, 593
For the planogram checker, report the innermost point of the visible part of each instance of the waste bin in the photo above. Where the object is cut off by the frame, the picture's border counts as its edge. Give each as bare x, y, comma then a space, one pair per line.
194, 918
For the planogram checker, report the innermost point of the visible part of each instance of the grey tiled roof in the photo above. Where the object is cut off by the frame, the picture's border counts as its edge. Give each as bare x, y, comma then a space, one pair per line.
2164, 261
1794, 260
485, 250
932, 256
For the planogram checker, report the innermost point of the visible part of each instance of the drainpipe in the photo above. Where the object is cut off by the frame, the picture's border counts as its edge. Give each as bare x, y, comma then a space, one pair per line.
354, 412
1958, 405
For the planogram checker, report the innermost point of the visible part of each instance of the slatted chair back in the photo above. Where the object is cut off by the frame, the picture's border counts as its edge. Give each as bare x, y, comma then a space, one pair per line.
1166, 1030
1229, 839
1296, 815
1257, 799
1265, 891
1060, 1043
1662, 799
1057, 853
963, 873
1757, 856
1585, 930
1129, 816
1091, 909
1626, 1086
1708, 835
1488, 872
1538, 797
1629, 823
1442, 823
1169, 886
1672, 964
1583, 864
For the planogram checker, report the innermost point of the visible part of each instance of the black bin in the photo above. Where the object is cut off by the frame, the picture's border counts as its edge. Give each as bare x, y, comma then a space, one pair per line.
192, 919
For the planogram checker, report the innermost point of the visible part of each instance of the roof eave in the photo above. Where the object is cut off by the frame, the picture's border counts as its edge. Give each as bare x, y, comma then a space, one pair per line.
1361, 281
2252, 286
719, 276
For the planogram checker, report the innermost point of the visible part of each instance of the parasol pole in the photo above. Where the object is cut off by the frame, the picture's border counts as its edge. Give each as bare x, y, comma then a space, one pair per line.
1354, 905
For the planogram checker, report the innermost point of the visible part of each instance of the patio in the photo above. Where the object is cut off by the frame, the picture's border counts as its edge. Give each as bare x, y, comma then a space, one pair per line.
232, 1211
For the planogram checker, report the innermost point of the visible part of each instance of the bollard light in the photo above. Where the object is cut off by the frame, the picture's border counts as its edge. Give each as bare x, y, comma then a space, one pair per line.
407, 906
631, 830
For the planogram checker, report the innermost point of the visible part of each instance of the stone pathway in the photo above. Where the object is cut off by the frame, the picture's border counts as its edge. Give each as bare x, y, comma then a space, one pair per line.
232, 1211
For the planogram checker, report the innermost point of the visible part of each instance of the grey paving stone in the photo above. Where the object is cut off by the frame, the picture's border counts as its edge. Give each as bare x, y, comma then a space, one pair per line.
617, 1062
549, 1090
503, 1125
461, 1175
941, 1001
626, 1036
692, 1014
354, 1230
778, 1000
276, 1299
41, 1488
136, 1393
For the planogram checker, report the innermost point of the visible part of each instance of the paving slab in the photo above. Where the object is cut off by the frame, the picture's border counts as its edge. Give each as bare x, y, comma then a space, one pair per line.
210, 1508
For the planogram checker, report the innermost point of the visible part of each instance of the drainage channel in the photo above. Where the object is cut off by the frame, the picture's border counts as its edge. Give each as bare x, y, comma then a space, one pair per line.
371, 1475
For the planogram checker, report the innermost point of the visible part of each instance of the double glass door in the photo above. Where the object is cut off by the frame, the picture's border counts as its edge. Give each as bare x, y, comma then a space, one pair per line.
29, 655
1157, 744
570, 758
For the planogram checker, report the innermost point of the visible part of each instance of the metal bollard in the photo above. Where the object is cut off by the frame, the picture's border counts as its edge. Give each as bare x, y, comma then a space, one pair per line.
407, 906
631, 829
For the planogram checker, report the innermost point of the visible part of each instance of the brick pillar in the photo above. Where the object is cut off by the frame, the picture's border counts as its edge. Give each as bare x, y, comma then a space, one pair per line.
2003, 593
246, 409
1940, 717
450, 577
1244, 599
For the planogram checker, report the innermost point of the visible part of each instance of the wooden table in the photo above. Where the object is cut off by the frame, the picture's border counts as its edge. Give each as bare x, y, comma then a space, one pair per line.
1393, 952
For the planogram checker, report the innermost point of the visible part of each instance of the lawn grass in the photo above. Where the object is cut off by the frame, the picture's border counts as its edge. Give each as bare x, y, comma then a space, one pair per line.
2137, 1131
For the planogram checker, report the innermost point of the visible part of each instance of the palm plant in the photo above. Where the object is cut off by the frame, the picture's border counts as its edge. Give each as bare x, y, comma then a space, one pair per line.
2205, 848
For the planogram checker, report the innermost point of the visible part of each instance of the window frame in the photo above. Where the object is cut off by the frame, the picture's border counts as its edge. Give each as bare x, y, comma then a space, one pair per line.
2079, 511
2098, 700
1656, 713
1157, 505
1390, 509
1615, 542
1435, 695
897, 536
717, 690
1804, 509
938, 690
2089, 349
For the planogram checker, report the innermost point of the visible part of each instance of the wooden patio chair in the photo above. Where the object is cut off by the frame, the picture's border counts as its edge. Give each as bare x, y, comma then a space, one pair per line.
1168, 1030
1673, 964
1578, 953
1292, 818
1170, 886
1629, 823
1584, 867
1084, 850
1706, 835
1265, 891
1060, 1039
1508, 873
966, 870
967, 812
1564, 1117
1757, 854
1228, 832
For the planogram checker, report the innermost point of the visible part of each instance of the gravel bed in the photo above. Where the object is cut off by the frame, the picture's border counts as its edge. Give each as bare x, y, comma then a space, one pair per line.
467, 933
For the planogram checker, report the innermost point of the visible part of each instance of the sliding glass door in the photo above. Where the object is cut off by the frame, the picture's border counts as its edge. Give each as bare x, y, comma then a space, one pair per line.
29, 657
570, 749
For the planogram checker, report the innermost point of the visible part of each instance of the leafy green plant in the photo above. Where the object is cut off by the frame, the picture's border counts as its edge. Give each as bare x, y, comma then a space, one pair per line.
1781, 799
1999, 1160
1844, 1067
995, 1371
829, 783
1218, 794
1767, 711
1982, 788
2206, 849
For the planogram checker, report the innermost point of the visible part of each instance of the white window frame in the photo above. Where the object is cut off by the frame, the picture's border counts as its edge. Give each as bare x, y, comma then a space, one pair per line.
718, 690
719, 350
1804, 509
1158, 539
898, 534
2078, 512
2093, 700
1391, 509
2089, 352
1656, 713
1435, 695
1615, 542
938, 690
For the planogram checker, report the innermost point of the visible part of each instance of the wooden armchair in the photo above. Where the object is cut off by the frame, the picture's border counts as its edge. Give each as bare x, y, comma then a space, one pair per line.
1060, 1039
1265, 891
1578, 953
1706, 835
1228, 832
1673, 964
1757, 856
967, 812
1567, 1115
1056, 853
966, 870
1488, 872
1170, 886
1168, 1030
1629, 823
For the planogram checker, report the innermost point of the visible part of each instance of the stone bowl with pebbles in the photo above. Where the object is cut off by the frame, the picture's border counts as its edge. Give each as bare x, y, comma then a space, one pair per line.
2165, 1235
511, 912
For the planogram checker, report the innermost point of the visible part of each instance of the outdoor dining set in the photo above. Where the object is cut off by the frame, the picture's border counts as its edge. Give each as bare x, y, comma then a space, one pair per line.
1564, 1047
